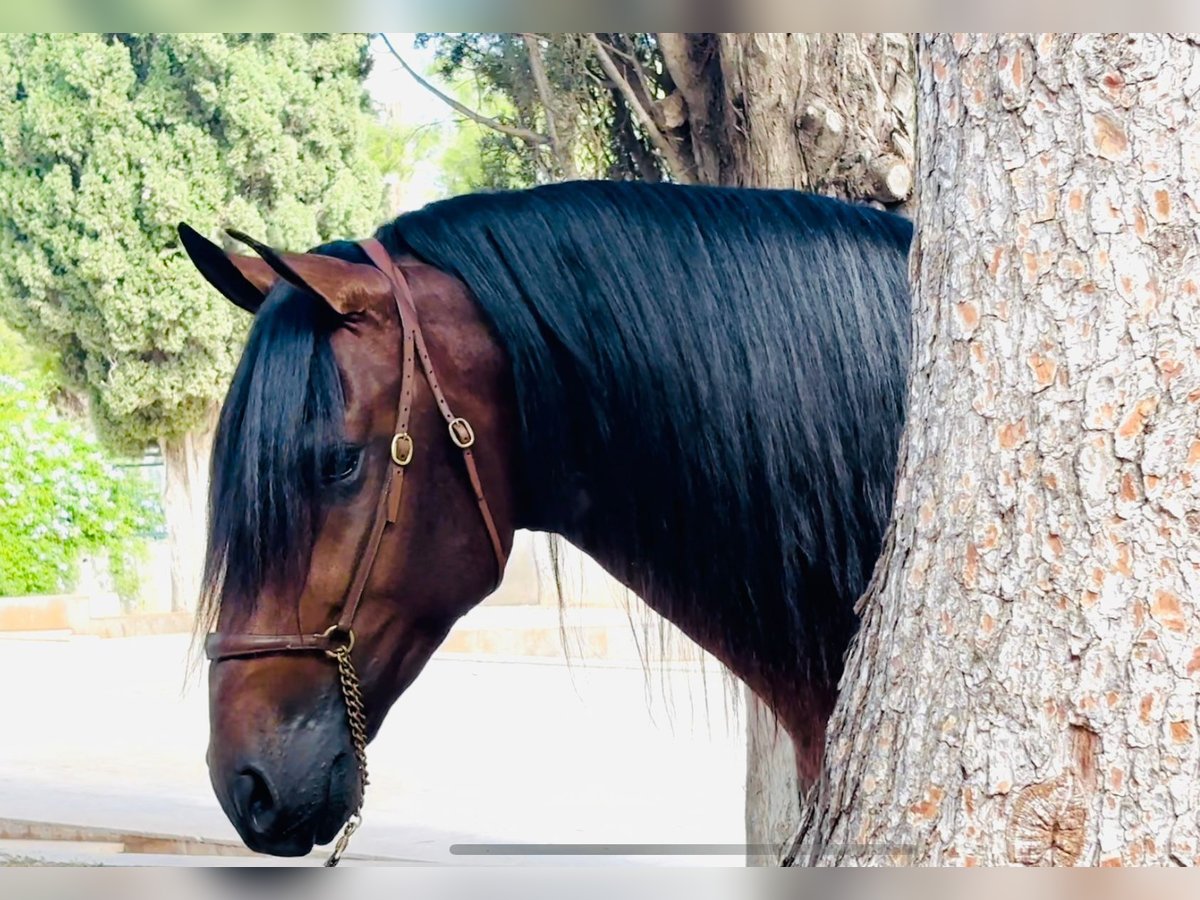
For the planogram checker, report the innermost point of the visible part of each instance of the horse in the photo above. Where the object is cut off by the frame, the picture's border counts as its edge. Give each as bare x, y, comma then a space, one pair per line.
703, 388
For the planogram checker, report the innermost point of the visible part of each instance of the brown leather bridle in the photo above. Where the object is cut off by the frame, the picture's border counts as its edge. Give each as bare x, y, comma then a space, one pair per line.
337, 641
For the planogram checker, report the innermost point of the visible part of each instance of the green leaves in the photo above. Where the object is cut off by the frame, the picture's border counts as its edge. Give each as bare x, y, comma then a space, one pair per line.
107, 141
60, 496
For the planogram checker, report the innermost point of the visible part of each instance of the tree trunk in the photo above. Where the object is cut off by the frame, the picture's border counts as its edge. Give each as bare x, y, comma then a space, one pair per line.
831, 113
185, 502
772, 786
821, 112
1023, 689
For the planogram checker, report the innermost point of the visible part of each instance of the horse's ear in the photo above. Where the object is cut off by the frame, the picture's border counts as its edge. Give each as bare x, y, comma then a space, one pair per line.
244, 280
347, 287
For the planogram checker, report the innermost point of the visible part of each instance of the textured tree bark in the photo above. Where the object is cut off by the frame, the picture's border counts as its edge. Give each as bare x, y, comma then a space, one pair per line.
815, 111
824, 112
773, 791
1024, 686
832, 113
185, 503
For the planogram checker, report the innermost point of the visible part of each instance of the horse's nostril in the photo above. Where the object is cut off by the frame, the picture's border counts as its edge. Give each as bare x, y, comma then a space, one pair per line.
256, 801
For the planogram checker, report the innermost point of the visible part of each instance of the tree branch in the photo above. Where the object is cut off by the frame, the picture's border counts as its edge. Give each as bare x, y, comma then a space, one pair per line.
635, 73
533, 138
538, 68
645, 165
675, 163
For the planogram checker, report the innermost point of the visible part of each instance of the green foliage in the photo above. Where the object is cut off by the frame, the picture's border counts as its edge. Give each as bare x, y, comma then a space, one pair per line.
108, 140
37, 368
599, 137
60, 497
125, 566
477, 158
396, 149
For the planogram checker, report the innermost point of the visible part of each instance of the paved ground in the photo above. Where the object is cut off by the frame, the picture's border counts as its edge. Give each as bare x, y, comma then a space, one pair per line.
103, 733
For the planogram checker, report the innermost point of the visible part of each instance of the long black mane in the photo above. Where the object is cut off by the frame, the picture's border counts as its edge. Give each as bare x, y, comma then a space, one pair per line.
710, 385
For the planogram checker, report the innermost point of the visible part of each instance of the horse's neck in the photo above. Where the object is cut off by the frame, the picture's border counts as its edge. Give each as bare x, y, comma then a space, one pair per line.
802, 707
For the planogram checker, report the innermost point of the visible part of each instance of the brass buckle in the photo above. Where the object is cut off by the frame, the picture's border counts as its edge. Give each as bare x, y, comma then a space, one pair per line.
349, 645
461, 433
402, 448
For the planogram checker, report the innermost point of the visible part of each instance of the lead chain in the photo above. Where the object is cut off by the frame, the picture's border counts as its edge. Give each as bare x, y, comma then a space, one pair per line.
356, 718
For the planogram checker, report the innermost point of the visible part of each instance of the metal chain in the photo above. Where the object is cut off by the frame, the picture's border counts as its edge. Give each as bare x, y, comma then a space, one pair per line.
356, 718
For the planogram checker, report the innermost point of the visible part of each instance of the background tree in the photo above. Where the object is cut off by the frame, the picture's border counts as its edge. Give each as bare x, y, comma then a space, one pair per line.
1024, 686
106, 142
396, 149
60, 495
831, 113
824, 112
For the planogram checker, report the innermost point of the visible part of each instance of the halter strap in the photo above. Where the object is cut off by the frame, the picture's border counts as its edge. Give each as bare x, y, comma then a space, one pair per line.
460, 429
220, 646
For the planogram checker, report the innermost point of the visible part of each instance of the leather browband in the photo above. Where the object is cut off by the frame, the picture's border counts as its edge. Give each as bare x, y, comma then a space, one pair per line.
220, 646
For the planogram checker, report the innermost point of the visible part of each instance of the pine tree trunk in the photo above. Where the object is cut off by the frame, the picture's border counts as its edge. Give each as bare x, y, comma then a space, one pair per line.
1024, 686
185, 502
831, 113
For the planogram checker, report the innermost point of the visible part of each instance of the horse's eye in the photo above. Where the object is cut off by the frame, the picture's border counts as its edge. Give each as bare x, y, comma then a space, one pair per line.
340, 463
